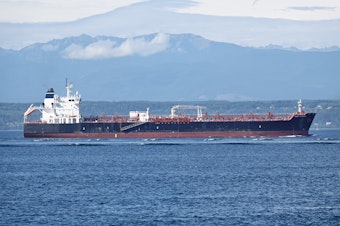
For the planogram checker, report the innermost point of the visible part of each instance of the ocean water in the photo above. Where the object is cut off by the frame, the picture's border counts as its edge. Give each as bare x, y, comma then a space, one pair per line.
245, 181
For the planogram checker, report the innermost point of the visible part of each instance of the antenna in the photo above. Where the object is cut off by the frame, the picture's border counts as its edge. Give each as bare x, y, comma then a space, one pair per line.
69, 87
299, 106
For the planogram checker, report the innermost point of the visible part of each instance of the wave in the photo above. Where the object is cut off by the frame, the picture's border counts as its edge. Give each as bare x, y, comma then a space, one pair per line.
170, 141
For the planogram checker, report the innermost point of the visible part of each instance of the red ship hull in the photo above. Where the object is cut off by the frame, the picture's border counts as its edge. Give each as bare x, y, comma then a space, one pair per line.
149, 135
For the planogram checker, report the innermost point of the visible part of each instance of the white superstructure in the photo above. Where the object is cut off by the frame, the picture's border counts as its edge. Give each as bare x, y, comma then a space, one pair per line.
141, 116
58, 110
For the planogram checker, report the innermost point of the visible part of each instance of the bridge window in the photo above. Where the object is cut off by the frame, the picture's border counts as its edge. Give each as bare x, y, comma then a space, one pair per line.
49, 95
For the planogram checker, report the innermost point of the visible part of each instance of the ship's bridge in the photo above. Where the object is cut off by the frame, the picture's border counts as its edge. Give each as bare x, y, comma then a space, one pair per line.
56, 110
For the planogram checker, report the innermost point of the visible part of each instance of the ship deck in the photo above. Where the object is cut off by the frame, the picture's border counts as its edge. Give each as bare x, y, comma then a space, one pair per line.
193, 118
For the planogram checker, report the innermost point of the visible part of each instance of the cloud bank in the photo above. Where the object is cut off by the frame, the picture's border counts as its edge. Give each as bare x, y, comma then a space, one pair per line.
281, 9
311, 8
33, 11
108, 49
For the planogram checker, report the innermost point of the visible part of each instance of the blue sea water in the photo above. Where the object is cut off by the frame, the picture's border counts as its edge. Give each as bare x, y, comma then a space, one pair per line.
245, 181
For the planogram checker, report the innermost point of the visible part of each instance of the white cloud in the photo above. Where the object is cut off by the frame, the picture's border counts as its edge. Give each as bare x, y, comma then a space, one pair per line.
108, 49
99, 49
28, 11
311, 8
64, 10
286, 9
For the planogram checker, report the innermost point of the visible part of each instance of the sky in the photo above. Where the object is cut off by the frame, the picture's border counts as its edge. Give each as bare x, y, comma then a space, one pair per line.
31, 11
287, 9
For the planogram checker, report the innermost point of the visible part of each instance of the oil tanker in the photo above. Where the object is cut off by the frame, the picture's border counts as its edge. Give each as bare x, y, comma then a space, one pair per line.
61, 118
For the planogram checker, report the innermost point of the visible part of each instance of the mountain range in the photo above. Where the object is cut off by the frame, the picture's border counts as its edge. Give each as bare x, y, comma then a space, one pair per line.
155, 16
167, 67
